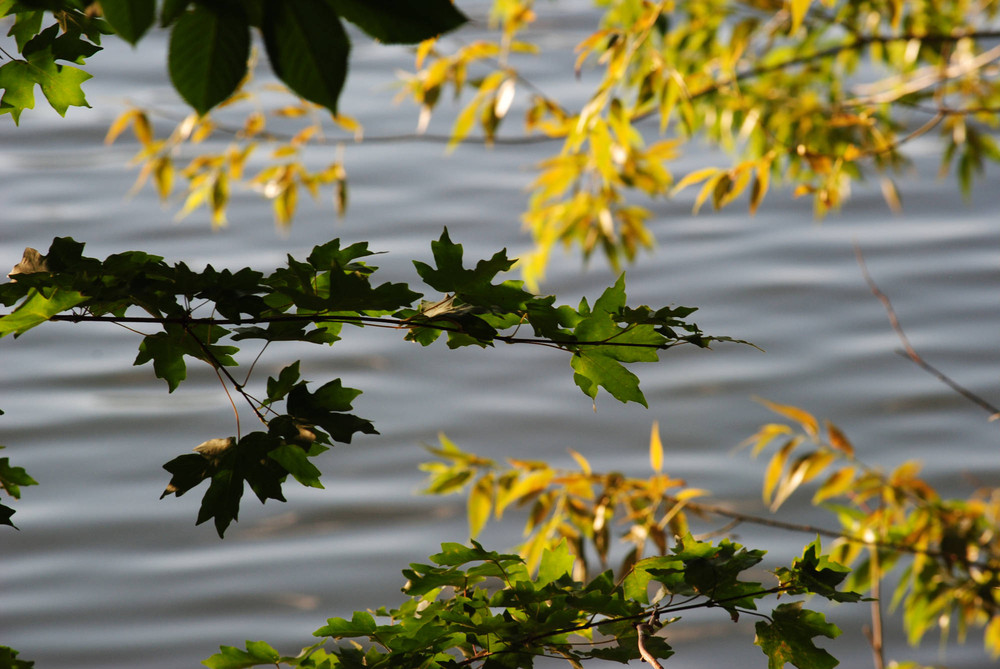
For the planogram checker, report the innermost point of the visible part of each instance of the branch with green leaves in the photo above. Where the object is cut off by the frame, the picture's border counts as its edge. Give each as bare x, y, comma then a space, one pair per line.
311, 301
477, 608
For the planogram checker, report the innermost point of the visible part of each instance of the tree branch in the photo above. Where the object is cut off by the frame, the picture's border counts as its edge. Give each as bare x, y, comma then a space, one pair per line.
911, 353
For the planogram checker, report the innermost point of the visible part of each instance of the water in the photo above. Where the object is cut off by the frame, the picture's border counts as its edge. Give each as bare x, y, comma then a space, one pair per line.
104, 574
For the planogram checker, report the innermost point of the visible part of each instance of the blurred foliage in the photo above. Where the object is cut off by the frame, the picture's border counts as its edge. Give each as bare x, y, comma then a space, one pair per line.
817, 95
950, 547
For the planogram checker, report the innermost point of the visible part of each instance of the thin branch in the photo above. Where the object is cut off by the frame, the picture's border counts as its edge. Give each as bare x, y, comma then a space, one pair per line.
645, 630
910, 352
220, 368
395, 323
821, 531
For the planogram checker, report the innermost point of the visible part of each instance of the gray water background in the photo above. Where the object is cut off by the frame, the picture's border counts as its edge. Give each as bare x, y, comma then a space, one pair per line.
103, 574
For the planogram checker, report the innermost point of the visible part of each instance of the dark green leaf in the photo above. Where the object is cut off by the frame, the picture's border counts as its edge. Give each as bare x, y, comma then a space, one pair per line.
209, 48
325, 408
308, 48
788, 638
294, 459
172, 10
287, 378
129, 18
27, 24
401, 21
5, 517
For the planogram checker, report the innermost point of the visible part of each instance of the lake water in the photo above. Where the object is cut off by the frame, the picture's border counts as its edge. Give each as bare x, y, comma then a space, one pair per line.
103, 574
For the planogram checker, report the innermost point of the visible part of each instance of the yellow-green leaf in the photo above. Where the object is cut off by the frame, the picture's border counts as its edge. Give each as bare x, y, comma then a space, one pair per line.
656, 448
803, 418
480, 504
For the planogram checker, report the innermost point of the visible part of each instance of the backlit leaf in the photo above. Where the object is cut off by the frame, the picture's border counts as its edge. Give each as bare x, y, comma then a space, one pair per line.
656, 448
803, 418
37, 309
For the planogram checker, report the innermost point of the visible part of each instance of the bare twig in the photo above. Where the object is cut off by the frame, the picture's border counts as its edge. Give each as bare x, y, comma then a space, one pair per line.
911, 353
645, 630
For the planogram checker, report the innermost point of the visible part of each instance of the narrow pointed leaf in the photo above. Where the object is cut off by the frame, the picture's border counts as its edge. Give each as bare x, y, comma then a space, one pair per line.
209, 48
308, 48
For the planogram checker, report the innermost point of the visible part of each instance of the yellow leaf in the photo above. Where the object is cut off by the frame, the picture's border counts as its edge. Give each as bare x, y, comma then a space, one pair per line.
656, 448
254, 123
792, 480
582, 461
423, 49
708, 189
201, 132
765, 436
838, 482
350, 124
891, 195
340, 197
219, 199
142, 128
119, 125
284, 204
798, 10
803, 418
760, 185
693, 178
463, 124
304, 135
163, 177
776, 466
284, 151
838, 439
480, 504
291, 111
195, 198
689, 493
524, 486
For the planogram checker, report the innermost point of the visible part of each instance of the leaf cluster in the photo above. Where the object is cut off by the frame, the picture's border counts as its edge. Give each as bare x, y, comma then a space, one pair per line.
311, 301
473, 607
947, 551
74, 36
11, 480
579, 506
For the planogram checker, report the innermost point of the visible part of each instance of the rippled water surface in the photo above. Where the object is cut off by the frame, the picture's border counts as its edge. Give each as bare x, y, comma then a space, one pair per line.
103, 574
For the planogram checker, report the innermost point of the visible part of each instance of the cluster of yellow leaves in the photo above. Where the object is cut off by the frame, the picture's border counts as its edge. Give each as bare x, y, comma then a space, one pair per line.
953, 576
208, 176
580, 506
778, 84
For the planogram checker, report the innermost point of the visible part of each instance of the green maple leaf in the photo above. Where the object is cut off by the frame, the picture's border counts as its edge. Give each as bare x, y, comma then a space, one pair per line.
472, 286
60, 83
38, 308
788, 638
600, 365
19, 88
